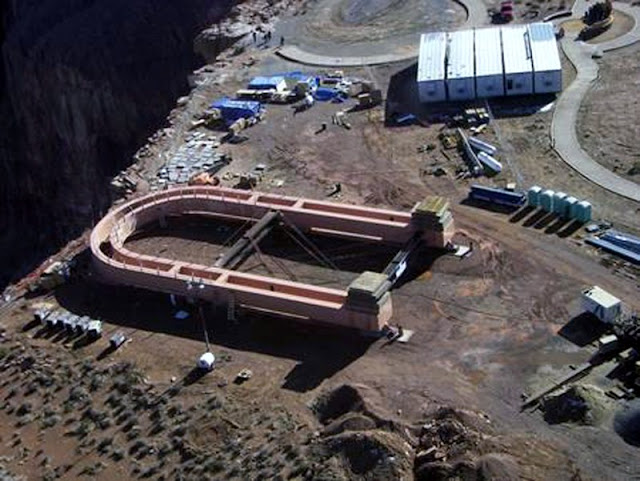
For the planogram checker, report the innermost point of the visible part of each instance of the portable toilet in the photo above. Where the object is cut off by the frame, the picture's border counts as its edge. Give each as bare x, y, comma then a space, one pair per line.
569, 207
533, 196
584, 211
546, 200
558, 202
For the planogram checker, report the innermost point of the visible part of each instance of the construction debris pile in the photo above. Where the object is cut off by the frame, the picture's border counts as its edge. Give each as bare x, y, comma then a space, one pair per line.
457, 444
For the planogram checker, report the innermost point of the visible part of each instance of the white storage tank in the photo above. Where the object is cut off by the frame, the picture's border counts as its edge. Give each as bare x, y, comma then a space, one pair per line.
483, 146
547, 69
489, 69
533, 196
600, 303
431, 67
460, 66
516, 57
490, 162
206, 361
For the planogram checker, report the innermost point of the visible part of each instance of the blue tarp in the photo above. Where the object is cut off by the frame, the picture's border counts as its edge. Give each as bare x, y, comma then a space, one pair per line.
232, 110
265, 83
325, 94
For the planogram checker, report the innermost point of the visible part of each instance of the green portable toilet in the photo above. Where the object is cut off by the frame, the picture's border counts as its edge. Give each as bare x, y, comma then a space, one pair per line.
558, 202
533, 196
569, 207
546, 200
584, 211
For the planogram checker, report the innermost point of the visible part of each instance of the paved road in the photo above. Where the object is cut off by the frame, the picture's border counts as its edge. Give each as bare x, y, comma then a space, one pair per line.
563, 127
476, 15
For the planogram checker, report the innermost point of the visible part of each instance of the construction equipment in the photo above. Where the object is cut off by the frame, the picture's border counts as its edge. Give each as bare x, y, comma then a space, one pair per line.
449, 141
369, 99
53, 276
506, 10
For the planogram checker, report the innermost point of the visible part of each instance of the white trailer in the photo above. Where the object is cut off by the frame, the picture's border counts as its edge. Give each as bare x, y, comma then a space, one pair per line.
547, 69
461, 66
603, 305
489, 69
516, 57
431, 67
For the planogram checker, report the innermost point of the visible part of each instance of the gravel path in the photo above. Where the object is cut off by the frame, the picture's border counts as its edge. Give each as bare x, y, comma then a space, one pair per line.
563, 128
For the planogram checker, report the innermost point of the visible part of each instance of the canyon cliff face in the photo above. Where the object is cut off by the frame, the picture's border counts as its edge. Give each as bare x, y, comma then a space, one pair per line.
84, 82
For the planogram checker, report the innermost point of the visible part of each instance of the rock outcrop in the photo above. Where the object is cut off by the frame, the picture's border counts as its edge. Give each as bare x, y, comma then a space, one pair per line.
84, 82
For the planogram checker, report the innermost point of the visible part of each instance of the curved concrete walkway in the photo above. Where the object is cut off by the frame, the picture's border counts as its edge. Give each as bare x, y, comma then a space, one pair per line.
563, 126
476, 15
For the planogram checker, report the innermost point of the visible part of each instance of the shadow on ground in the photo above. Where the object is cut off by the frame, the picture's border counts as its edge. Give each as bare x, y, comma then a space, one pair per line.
583, 329
320, 351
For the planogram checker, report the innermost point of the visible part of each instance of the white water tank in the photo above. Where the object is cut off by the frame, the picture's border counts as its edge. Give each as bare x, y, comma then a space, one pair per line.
490, 162
206, 361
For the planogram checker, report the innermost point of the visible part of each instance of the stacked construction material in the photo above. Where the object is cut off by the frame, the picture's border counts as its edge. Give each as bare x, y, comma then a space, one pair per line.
367, 291
433, 216
619, 243
198, 155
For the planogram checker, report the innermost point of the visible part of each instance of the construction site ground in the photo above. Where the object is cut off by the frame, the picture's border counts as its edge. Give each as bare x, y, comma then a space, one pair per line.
486, 326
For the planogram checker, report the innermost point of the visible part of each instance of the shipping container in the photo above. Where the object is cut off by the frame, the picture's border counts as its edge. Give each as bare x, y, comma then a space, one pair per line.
603, 305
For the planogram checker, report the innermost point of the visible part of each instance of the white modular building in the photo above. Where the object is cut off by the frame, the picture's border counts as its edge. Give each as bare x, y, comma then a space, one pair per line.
547, 69
431, 67
516, 57
461, 65
489, 70
603, 305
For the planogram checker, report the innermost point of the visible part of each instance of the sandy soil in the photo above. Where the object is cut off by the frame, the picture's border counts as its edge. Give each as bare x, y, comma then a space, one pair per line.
609, 124
485, 326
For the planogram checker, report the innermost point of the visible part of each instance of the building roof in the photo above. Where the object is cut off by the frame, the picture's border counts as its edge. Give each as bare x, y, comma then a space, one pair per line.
601, 297
516, 52
544, 48
488, 52
461, 61
433, 49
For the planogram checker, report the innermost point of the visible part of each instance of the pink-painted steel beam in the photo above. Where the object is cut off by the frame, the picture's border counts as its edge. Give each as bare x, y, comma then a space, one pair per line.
116, 264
